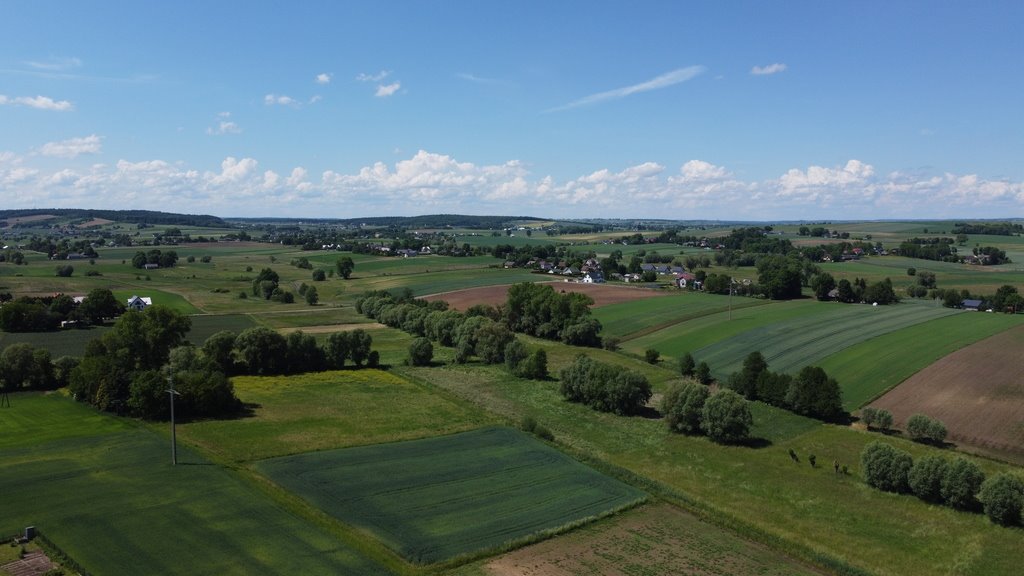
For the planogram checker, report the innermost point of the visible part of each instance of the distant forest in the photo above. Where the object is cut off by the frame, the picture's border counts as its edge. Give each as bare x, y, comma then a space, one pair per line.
425, 221
131, 216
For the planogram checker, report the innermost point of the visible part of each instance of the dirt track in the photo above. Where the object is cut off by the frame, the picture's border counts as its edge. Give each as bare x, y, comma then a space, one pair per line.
603, 294
977, 392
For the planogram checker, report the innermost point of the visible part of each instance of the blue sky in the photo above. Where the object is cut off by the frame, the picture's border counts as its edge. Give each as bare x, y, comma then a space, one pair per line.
690, 110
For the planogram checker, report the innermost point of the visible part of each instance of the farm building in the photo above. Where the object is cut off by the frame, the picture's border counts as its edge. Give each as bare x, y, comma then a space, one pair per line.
971, 305
139, 303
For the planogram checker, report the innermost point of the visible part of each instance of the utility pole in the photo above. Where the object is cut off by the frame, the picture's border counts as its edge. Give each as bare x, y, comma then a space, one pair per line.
174, 440
730, 313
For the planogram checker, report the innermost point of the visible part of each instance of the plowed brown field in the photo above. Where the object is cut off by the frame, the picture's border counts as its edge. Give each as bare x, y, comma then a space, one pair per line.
603, 294
977, 392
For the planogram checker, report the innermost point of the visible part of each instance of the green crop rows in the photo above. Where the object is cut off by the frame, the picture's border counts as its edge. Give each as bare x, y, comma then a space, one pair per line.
438, 498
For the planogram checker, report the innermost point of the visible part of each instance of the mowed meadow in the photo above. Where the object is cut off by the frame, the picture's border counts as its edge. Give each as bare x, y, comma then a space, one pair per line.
422, 470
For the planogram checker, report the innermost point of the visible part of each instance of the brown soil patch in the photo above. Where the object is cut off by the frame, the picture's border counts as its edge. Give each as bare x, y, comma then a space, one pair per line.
649, 540
977, 392
32, 564
603, 294
332, 328
95, 222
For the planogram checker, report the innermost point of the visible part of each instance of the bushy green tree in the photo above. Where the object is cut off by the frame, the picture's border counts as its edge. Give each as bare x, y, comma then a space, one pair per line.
812, 393
1002, 497
925, 477
961, 484
885, 467
262, 351
924, 428
515, 354
687, 365
726, 417
652, 356
604, 387
421, 352
303, 353
219, 348
703, 373
22, 366
682, 406
360, 343
345, 266
337, 349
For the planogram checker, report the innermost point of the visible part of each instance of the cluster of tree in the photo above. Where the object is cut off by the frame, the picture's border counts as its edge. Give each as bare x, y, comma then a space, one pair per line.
819, 232
126, 371
926, 429
939, 249
876, 418
604, 387
24, 367
690, 408
959, 484
267, 284
1006, 298
990, 228
309, 293
163, 259
41, 314
757, 240
13, 256
260, 351
477, 333
990, 255
691, 369
60, 248
811, 392
134, 216
538, 310
857, 291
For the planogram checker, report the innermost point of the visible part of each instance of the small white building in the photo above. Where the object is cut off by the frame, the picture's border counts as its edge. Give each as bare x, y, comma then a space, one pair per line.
139, 303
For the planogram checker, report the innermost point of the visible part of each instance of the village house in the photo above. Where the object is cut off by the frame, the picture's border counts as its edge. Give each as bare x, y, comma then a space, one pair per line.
139, 303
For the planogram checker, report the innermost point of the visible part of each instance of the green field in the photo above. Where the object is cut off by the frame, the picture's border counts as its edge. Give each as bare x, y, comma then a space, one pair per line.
870, 368
790, 345
204, 326
106, 493
319, 411
809, 512
59, 343
437, 282
435, 499
639, 317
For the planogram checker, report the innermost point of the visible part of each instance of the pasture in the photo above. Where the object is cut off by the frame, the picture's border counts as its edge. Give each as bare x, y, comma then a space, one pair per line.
977, 392
326, 410
104, 491
809, 512
435, 499
633, 319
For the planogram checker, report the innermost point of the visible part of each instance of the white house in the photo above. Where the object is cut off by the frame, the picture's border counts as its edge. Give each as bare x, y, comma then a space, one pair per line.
593, 278
139, 302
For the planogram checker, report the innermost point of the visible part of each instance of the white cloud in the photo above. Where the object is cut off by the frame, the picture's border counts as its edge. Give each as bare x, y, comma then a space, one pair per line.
224, 127
38, 102
54, 64
768, 70
73, 147
280, 100
315, 98
323, 78
665, 80
383, 91
363, 77
430, 182
478, 79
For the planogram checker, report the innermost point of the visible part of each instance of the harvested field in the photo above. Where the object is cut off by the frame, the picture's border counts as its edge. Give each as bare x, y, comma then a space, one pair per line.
95, 222
650, 540
977, 392
603, 294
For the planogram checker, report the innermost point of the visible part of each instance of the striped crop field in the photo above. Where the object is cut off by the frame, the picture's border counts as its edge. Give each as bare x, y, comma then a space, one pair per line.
790, 345
638, 317
435, 499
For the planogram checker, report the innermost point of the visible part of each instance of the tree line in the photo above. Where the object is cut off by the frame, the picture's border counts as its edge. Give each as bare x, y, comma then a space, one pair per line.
44, 313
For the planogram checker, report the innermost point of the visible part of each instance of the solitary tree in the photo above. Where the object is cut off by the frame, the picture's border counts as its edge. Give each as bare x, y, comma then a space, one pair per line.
687, 366
726, 417
1002, 497
682, 406
311, 296
345, 266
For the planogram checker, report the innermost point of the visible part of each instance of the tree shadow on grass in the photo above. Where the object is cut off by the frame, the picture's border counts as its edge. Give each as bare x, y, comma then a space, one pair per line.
756, 443
648, 413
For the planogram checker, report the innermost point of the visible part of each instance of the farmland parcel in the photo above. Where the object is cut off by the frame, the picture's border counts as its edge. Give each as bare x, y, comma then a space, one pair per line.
434, 499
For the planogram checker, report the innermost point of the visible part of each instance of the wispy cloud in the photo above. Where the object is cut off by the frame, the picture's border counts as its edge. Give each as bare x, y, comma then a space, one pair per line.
323, 78
72, 147
385, 90
363, 77
478, 79
224, 127
54, 64
665, 80
38, 102
768, 70
280, 100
